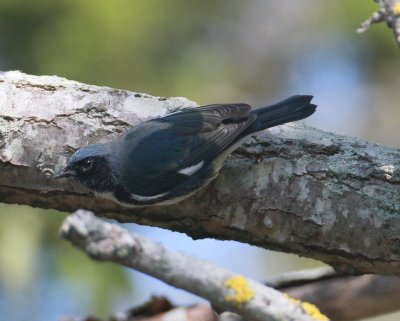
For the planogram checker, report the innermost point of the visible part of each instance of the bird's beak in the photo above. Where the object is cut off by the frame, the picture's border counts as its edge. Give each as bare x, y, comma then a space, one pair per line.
65, 173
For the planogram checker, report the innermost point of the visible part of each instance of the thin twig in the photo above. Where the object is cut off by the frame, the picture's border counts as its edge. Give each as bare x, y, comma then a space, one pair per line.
297, 278
390, 12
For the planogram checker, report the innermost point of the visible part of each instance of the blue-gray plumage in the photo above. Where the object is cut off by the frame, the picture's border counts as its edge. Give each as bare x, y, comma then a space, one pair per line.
167, 159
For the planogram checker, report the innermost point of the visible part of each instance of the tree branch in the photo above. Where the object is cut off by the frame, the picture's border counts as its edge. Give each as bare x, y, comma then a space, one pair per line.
389, 11
347, 298
340, 297
292, 188
225, 289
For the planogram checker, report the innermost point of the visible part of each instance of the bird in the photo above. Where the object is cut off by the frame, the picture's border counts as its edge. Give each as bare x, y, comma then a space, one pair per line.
165, 160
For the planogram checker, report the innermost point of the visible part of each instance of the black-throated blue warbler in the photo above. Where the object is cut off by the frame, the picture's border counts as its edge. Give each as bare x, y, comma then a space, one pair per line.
165, 160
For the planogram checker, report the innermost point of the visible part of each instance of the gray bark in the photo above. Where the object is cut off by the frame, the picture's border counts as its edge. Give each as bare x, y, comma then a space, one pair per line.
339, 297
389, 12
293, 188
347, 298
251, 299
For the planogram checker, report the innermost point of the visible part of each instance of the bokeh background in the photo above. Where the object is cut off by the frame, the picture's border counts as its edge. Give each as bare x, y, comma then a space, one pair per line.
254, 51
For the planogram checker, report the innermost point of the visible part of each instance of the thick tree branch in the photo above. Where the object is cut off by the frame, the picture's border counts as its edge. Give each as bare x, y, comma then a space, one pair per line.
225, 289
294, 188
388, 12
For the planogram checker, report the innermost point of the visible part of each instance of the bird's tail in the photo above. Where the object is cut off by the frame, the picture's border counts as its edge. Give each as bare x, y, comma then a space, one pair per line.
291, 109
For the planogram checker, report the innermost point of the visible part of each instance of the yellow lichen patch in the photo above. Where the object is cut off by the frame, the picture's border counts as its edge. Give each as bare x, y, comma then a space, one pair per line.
309, 308
396, 8
243, 293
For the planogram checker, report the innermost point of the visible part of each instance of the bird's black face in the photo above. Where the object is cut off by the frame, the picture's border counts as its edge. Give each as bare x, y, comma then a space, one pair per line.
85, 166
93, 171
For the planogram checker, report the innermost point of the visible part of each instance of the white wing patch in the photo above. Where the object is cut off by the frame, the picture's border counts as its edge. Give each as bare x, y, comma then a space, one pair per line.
139, 198
192, 169
146, 198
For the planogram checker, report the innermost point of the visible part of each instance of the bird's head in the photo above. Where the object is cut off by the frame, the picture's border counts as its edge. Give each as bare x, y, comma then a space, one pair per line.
92, 167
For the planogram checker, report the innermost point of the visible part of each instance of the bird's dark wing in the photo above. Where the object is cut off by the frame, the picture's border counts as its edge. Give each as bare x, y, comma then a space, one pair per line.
205, 118
163, 153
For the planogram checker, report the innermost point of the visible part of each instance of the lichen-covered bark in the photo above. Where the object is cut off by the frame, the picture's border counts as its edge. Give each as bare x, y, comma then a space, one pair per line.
293, 188
389, 12
223, 288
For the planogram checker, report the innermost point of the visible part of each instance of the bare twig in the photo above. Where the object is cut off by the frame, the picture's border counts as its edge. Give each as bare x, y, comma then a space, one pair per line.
297, 278
390, 12
225, 289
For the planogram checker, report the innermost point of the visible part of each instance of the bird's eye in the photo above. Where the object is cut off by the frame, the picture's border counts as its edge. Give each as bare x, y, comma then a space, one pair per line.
86, 165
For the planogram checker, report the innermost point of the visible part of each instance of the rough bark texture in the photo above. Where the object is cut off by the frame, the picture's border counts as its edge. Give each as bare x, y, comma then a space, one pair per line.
294, 188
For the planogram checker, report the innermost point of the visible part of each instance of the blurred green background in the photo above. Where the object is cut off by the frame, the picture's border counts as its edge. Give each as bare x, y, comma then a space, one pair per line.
254, 51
